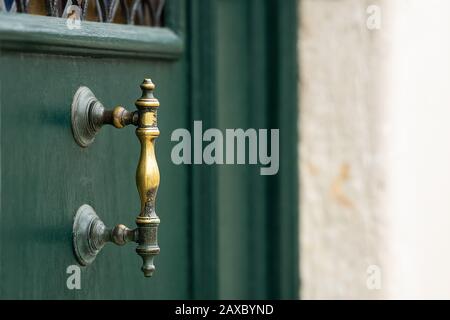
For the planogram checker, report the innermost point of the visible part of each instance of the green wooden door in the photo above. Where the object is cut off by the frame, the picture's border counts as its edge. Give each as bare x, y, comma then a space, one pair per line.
226, 231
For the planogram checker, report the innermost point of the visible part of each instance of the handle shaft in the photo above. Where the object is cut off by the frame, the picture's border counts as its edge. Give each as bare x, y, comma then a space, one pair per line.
147, 177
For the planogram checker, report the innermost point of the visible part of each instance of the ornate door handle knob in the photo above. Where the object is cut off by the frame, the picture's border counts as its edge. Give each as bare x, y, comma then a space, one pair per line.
89, 233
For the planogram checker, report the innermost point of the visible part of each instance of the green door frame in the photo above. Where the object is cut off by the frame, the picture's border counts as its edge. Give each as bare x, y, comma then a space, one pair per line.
272, 104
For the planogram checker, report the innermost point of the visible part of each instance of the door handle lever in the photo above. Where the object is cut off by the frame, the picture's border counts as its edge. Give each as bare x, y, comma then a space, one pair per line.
89, 232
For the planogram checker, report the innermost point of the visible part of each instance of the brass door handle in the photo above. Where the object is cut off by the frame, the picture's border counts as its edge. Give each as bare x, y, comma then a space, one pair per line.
89, 233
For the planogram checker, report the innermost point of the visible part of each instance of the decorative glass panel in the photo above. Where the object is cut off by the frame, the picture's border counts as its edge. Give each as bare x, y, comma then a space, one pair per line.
139, 12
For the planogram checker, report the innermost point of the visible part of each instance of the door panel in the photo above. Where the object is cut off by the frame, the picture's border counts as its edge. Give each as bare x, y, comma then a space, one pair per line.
46, 176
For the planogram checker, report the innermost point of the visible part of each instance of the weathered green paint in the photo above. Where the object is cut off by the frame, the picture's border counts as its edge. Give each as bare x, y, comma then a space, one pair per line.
231, 233
46, 176
49, 34
203, 91
283, 203
244, 74
233, 112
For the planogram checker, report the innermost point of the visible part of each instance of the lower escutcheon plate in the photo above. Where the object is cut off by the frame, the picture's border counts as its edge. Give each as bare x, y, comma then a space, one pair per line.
82, 226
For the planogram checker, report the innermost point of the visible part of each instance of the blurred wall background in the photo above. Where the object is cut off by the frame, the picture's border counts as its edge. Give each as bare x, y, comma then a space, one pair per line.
374, 126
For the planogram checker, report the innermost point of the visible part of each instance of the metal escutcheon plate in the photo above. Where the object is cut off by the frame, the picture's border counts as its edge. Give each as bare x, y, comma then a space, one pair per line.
82, 130
84, 219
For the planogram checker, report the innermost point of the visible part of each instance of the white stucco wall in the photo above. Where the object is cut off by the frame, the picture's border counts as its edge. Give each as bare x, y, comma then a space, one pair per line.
374, 151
